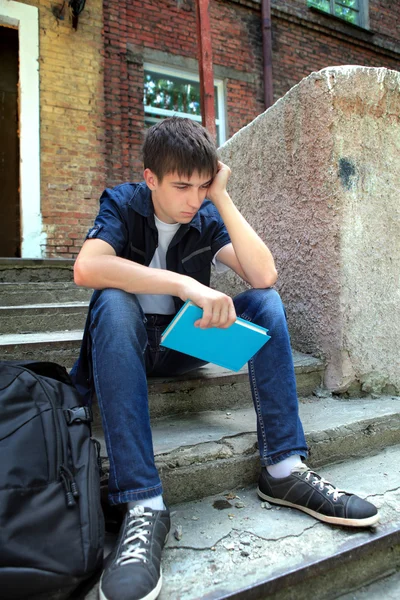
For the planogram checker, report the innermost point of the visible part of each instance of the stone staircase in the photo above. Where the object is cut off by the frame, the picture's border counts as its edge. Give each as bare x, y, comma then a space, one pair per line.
224, 542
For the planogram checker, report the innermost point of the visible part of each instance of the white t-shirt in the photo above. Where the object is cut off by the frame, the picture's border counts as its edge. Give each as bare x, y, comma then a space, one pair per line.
163, 304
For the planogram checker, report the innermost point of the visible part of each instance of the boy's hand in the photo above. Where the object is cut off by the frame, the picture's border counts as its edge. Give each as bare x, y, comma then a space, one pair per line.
218, 308
217, 190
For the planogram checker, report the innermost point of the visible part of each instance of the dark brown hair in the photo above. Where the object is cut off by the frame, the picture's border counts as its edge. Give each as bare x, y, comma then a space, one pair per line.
177, 145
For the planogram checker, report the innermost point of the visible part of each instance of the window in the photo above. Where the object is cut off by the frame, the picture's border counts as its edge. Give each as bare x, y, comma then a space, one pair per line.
169, 92
352, 11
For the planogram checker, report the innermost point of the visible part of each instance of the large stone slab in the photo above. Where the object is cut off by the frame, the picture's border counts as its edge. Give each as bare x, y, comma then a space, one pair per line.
318, 176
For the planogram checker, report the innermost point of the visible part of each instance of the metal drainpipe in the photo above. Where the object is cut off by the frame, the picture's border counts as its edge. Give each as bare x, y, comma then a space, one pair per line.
205, 66
267, 53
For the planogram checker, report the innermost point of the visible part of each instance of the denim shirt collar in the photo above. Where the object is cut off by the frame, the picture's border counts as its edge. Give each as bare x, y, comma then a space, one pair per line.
142, 203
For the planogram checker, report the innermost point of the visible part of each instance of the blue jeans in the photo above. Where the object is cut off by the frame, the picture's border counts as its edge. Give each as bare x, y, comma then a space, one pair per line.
125, 348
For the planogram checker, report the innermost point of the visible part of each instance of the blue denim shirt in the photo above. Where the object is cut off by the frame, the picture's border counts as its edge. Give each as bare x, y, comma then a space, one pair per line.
126, 222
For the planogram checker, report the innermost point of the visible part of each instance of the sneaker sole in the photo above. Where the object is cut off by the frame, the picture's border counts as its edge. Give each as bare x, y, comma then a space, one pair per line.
333, 520
150, 596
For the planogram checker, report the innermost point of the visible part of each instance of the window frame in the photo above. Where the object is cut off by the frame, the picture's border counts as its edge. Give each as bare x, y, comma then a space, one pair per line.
190, 76
363, 11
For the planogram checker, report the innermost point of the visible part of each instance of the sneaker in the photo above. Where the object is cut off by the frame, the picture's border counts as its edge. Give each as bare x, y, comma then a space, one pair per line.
133, 569
309, 492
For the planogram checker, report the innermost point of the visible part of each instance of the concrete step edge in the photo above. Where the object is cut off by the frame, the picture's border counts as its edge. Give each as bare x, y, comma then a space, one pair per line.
359, 555
45, 306
43, 337
37, 263
10, 285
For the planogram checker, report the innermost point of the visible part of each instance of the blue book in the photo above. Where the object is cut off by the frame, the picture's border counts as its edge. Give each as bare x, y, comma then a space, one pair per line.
230, 348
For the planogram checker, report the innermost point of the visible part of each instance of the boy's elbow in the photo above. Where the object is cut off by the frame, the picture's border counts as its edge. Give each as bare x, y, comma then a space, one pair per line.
80, 273
273, 278
268, 280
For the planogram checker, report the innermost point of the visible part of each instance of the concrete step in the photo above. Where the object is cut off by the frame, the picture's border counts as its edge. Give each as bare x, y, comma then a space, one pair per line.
208, 388
34, 318
58, 346
205, 453
23, 293
27, 269
216, 388
248, 551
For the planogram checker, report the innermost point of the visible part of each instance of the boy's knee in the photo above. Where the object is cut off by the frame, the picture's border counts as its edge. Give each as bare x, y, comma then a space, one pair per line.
119, 307
264, 297
262, 301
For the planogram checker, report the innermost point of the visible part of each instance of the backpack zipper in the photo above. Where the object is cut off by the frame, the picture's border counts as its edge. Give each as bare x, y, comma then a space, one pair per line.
63, 472
70, 486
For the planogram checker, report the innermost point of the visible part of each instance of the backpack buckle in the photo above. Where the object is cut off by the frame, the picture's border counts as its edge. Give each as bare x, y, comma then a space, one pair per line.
78, 414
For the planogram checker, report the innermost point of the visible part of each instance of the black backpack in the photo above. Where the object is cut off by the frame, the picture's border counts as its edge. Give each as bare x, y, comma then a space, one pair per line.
51, 522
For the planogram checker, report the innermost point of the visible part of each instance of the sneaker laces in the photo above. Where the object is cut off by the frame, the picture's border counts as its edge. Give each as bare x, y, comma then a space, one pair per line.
319, 481
136, 535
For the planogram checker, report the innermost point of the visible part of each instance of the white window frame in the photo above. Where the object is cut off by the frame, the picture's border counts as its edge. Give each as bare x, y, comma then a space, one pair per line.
190, 76
26, 19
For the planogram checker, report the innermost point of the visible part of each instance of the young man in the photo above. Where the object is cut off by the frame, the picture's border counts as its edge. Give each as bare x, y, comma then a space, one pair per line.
150, 250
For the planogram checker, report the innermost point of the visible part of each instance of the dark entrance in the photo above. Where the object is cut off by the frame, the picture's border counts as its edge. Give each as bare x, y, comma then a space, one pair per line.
10, 235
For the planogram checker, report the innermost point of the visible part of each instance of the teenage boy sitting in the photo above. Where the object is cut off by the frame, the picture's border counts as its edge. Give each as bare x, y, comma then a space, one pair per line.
150, 250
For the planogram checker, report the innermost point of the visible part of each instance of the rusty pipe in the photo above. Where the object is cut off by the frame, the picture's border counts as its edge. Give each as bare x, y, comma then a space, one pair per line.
267, 53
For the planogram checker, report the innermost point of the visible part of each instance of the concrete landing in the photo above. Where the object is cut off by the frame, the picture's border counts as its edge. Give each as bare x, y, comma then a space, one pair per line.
223, 551
217, 553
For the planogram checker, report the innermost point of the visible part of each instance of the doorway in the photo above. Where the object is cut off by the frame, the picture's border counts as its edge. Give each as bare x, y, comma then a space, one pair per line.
10, 218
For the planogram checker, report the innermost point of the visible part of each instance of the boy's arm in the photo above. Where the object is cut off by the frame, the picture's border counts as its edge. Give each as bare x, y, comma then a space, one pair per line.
248, 256
98, 267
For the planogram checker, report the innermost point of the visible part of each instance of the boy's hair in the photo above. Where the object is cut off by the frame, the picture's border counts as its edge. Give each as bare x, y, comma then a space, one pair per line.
178, 145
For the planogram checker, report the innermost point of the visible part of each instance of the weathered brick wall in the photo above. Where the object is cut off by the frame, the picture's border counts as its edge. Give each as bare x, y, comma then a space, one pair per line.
170, 26
71, 124
303, 41
92, 129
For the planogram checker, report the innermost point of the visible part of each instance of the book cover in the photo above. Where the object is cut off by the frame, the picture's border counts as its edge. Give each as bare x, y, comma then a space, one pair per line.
230, 348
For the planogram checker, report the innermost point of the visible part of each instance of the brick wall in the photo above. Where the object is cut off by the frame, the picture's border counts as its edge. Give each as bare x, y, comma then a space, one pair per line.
92, 129
303, 41
170, 26
71, 124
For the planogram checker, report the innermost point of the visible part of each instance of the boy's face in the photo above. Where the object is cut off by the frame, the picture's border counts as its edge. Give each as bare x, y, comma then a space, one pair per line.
177, 198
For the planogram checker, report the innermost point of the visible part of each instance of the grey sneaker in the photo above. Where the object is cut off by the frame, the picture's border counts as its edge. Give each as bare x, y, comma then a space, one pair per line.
309, 492
133, 569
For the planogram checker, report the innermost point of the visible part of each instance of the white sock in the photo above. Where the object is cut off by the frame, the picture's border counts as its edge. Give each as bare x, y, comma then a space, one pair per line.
156, 503
284, 467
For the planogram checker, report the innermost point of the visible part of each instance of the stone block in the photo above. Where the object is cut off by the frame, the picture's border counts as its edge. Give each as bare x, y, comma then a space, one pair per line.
318, 177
